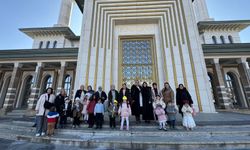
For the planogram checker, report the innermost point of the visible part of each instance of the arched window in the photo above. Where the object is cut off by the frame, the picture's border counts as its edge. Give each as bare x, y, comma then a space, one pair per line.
222, 39
230, 38
48, 82
41, 45
214, 39
47, 44
54, 44
67, 84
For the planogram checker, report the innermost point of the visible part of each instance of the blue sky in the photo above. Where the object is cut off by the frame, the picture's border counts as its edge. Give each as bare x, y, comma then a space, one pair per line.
15, 14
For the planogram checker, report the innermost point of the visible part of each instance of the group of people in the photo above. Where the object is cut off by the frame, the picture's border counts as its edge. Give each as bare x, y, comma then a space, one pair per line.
141, 100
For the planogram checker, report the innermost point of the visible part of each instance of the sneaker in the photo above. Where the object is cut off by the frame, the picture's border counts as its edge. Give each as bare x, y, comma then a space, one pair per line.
43, 133
38, 134
165, 129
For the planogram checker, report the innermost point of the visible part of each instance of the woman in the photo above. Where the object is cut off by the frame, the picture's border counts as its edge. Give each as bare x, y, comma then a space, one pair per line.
167, 93
137, 101
155, 91
41, 111
183, 95
90, 91
147, 109
59, 104
124, 91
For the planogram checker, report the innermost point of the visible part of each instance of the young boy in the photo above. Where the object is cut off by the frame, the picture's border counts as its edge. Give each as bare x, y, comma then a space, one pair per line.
113, 111
99, 112
52, 117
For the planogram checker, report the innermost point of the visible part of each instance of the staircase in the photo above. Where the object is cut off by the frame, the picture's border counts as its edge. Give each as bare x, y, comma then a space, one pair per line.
139, 137
16, 113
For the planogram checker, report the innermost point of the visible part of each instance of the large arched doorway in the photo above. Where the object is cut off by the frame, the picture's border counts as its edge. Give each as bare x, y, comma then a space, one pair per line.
234, 90
25, 92
4, 91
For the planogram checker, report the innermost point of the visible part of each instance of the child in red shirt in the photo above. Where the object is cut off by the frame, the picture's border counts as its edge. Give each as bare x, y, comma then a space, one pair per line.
52, 117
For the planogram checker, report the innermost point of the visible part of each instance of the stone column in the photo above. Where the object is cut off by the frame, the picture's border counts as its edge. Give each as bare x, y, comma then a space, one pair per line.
61, 77
65, 13
243, 67
12, 89
220, 85
35, 91
1, 79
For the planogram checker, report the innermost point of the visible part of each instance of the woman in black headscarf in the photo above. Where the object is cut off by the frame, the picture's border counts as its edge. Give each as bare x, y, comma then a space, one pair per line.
182, 95
147, 109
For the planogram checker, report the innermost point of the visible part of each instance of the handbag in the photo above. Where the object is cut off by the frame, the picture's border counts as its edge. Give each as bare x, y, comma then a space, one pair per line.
47, 104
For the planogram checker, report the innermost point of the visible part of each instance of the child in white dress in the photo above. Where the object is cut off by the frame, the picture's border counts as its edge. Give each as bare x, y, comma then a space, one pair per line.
187, 121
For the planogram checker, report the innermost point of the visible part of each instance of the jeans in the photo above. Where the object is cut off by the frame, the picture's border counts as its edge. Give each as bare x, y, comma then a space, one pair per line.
122, 122
41, 124
99, 120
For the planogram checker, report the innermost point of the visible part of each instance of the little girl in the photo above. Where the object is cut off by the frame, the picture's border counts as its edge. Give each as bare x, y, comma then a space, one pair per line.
187, 121
124, 111
158, 100
84, 110
160, 112
52, 117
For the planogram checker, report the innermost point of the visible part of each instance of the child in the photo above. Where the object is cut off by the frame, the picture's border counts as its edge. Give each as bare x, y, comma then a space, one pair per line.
76, 112
84, 110
187, 121
66, 112
52, 117
124, 111
171, 112
99, 112
113, 110
90, 110
160, 112
159, 101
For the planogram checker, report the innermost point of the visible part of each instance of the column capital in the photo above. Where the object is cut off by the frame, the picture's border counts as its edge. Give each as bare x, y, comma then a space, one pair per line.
17, 65
242, 60
215, 61
40, 64
63, 63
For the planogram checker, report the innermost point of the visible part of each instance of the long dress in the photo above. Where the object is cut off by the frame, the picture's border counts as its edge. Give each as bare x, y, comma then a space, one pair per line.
187, 120
136, 104
147, 109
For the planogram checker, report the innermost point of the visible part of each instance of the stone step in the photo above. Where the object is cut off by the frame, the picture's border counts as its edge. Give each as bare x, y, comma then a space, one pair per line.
19, 110
139, 137
143, 142
137, 130
15, 114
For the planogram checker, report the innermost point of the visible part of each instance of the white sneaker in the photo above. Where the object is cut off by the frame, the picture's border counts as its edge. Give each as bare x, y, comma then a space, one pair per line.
42, 134
38, 134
